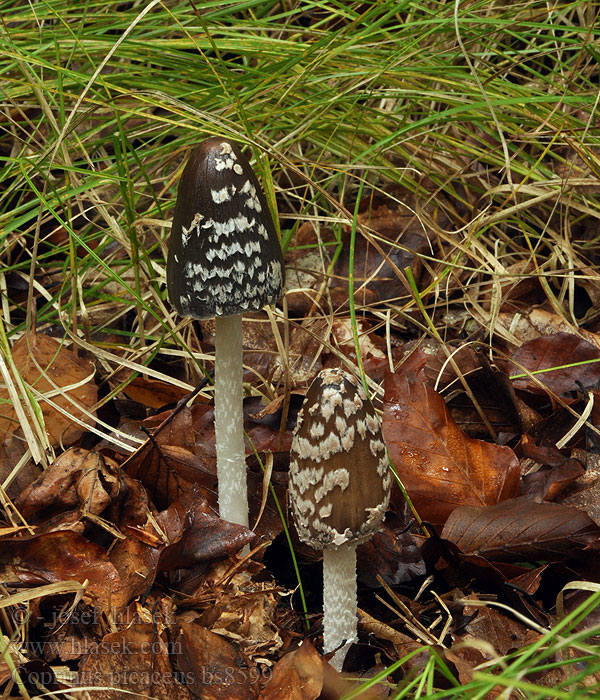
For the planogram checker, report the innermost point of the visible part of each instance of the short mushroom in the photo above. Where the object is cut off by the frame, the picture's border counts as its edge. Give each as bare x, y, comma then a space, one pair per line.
224, 259
339, 491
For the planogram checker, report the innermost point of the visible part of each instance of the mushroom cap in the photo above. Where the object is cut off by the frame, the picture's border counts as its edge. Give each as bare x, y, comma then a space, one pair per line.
224, 254
340, 479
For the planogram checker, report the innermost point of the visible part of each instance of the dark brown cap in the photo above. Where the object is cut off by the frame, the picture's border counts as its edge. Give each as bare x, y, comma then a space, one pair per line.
340, 479
224, 254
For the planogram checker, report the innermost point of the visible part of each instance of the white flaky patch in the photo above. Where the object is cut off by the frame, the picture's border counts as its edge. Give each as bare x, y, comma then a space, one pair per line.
222, 195
348, 439
252, 202
376, 447
337, 478
361, 427
317, 430
383, 466
352, 406
373, 423
223, 228
330, 400
305, 449
305, 507
242, 224
187, 232
303, 479
387, 478
330, 445
340, 424
275, 273
237, 169
226, 159
252, 247
192, 269
325, 511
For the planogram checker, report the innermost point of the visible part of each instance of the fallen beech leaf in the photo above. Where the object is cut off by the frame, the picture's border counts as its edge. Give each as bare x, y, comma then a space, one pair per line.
548, 483
521, 530
404, 646
440, 466
391, 553
212, 667
12, 453
246, 616
66, 556
152, 392
135, 660
68, 634
49, 367
77, 478
299, 675
379, 267
239, 603
539, 322
166, 463
136, 563
585, 492
197, 534
557, 350
445, 560
465, 659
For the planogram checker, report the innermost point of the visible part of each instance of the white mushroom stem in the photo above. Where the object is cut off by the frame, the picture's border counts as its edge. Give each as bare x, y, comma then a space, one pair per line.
229, 424
339, 601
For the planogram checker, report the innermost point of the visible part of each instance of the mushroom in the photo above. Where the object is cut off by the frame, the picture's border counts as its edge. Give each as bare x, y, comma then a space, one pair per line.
224, 259
339, 491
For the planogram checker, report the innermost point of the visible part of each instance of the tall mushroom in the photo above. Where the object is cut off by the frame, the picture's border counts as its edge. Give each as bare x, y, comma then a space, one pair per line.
339, 491
224, 259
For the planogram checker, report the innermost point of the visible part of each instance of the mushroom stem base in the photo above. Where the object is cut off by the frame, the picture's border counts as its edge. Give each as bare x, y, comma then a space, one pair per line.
339, 601
229, 423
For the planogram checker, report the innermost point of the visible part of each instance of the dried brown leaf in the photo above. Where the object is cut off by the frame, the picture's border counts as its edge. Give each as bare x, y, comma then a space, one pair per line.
521, 530
557, 351
49, 366
299, 675
196, 534
440, 466
77, 478
135, 660
64, 556
212, 667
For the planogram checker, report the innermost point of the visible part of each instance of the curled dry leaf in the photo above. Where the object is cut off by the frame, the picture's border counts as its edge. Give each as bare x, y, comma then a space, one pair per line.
196, 533
440, 466
557, 351
246, 619
305, 675
135, 660
167, 463
541, 322
65, 556
299, 675
49, 367
548, 483
77, 478
391, 554
212, 667
486, 623
521, 530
